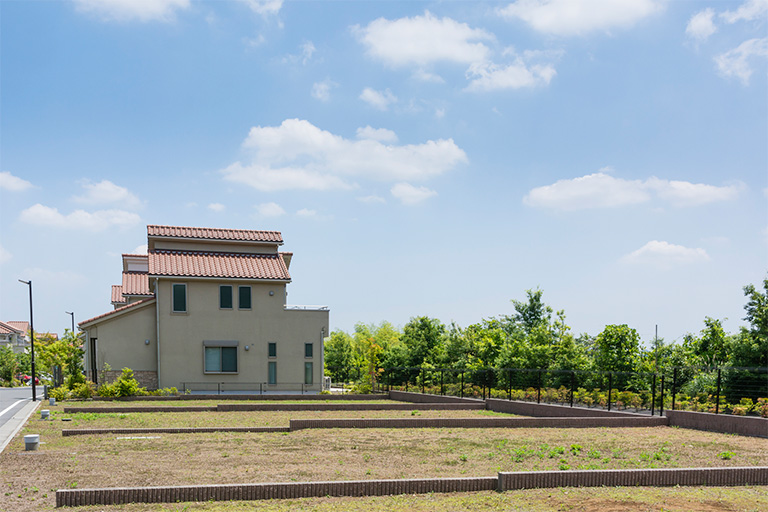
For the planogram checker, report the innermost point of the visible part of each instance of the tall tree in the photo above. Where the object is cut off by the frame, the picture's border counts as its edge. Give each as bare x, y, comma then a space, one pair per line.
617, 351
423, 337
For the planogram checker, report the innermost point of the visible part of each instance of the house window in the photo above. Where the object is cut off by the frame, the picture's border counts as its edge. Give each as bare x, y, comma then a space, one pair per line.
244, 293
220, 356
307, 373
225, 296
308, 350
272, 376
179, 298
272, 350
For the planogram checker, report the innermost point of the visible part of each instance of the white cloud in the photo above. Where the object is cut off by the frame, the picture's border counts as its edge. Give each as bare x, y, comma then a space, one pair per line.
305, 55
701, 26
298, 155
13, 183
305, 212
439, 113
270, 210
579, 17
216, 207
100, 220
664, 254
132, 10
265, 7
372, 199
5, 256
489, 76
106, 192
141, 249
736, 62
408, 194
254, 42
379, 134
600, 190
425, 76
422, 40
322, 90
748, 11
376, 99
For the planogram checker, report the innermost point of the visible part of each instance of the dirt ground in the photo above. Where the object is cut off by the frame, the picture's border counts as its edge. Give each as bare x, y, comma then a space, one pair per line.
29, 479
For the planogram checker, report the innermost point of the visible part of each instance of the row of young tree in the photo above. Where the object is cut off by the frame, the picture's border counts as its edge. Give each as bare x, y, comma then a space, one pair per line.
537, 337
55, 360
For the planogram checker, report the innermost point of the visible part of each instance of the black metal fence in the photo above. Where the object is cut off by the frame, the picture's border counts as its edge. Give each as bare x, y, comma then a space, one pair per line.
718, 390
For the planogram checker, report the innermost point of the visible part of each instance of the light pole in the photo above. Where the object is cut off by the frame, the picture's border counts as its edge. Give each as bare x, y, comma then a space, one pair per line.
72, 314
32, 339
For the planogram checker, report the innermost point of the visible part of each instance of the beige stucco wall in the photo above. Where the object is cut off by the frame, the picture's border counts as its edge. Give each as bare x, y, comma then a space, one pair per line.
250, 248
121, 340
182, 335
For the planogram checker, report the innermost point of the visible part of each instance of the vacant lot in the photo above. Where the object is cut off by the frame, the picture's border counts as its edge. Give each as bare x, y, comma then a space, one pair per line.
29, 479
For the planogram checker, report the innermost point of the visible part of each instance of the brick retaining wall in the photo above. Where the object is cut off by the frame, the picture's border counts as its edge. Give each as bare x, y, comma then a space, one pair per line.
214, 396
638, 421
553, 410
151, 408
407, 396
350, 407
179, 430
501, 482
730, 424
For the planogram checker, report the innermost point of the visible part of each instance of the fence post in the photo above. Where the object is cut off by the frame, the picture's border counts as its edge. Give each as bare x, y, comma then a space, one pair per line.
661, 399
717, 403
653, 394
573, 385
610, 385
485, 379
442, 388
421, 373
674, 387
261, 388
538, 388
218, 388
509, 382
462, 383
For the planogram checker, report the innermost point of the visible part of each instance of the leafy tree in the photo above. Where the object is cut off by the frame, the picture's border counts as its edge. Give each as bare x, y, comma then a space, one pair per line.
423, 338
338, 355
528, 314
8, 364
749, 348
617, 351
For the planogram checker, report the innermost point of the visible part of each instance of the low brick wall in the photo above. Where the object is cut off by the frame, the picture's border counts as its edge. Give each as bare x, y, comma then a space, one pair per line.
152, 408
179, 430
267, 491
501, 482
407, 396
730, 424
552, 410
479, 423
350, 407
146, 378
241, 397
633, 477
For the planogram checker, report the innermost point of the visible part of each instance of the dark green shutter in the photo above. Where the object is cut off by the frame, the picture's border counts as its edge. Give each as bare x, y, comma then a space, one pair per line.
180, 297
245, 297
225, 297
229, 359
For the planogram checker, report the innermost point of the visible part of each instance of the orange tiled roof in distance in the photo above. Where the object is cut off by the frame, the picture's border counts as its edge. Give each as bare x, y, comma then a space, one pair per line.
118, 310
218, 264
135, 283
7, 329
117, 294
245, 235
19, 325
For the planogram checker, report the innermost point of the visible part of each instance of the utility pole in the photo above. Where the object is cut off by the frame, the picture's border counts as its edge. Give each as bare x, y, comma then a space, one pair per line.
32, 339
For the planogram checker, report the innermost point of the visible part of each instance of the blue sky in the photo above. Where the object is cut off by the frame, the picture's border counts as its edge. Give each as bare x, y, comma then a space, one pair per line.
420, 158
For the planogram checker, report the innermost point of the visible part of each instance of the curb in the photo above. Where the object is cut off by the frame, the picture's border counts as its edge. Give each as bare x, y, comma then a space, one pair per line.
15, 423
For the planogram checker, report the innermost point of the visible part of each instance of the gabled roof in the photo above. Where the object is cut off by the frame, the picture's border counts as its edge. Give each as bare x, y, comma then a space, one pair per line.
117, 311
242, 235
7, 329
218, 264
117, 294
22, 326
135, 283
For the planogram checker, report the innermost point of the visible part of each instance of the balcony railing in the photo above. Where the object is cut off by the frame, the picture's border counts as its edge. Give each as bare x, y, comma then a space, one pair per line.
307, 308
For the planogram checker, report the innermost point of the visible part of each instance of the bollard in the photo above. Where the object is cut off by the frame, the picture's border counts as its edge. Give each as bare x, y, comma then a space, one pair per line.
52, 401
45, 414
31, 442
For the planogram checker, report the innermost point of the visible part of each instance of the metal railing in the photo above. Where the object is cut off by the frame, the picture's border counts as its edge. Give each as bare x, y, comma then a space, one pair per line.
248, 388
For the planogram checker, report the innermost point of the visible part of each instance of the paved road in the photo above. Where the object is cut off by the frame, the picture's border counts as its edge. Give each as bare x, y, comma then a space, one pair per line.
15, 407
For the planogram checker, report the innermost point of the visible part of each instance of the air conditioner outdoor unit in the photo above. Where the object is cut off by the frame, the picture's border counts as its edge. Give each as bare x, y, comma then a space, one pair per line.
326, 384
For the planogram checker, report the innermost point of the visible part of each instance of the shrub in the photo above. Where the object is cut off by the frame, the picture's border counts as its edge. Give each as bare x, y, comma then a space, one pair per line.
107, 389
762, 407
127, 385
60, 394
739, 410
83, 390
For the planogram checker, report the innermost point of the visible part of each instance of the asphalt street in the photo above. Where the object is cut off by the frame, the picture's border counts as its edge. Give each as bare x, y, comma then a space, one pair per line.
15, 407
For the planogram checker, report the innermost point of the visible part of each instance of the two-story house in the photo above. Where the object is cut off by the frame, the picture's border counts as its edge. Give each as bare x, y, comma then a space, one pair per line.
13, 336
205, 309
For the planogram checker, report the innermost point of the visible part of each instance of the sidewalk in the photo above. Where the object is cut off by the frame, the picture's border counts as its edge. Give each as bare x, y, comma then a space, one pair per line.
13, 425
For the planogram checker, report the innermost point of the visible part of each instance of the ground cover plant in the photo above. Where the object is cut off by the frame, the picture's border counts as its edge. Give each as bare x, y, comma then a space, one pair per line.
343, 454
208, 402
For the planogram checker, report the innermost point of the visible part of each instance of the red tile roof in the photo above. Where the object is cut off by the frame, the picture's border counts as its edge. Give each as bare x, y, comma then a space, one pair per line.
245, 235
22, 326
7, 329
135, 283
118, 310
117, 294
218, 264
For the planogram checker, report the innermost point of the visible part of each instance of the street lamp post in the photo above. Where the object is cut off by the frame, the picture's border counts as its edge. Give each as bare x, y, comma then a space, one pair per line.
72, 314
32, 339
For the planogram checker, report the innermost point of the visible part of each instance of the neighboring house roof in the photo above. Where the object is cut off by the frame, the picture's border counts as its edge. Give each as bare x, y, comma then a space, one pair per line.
118, 311
22, 326
245, 235
7, 329
117, 294
218, 264
135, 283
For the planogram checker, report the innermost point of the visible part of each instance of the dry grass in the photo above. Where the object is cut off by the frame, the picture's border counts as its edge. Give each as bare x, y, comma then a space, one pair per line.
343, 454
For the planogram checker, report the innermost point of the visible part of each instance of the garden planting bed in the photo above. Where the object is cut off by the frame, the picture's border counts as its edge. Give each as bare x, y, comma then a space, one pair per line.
334, 455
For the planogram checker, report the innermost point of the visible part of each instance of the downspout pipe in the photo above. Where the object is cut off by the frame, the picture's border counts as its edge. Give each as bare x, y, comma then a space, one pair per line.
157, 324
